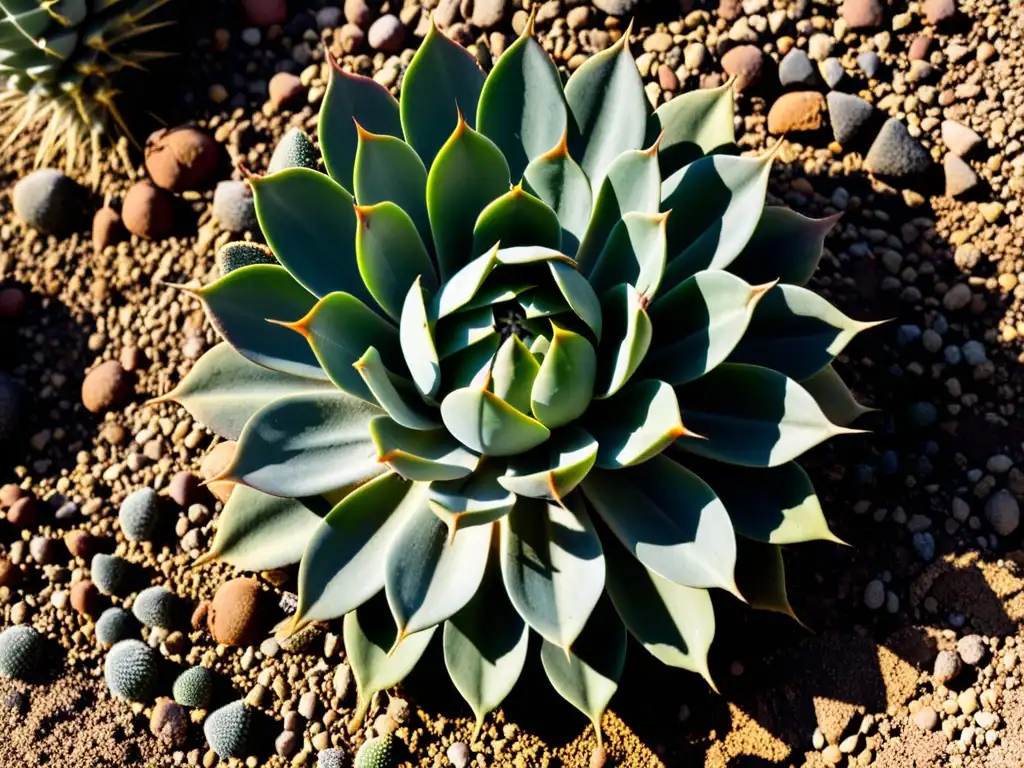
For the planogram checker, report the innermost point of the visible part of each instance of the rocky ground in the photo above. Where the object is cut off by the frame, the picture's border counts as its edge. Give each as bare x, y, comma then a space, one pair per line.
915, 651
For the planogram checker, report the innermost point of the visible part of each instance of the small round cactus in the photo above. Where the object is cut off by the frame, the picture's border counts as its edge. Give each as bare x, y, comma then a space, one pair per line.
139, 514
295, 150
232, 256
49, 201
227, 729
115, 625
156, 607
194, 687
233, 207
20, 648
377, 753
108, 572
330, 758
130, 669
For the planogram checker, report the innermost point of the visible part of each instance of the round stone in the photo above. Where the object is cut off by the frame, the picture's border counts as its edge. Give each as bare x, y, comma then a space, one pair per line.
744, 62
182, 158
947, 666
233, 207
49, 201
1003, 513
798, 111
386, 34
972, 649
107, 386
233, 617
148, 211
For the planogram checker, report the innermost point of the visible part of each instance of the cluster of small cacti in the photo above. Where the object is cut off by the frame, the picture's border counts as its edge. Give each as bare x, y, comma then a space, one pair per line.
63, 59
194, 687
114, 625
156, 607
20, 649
130, 670
227, 729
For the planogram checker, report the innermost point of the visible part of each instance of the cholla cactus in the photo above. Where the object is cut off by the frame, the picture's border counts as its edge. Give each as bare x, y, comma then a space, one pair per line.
545, 358
61, 60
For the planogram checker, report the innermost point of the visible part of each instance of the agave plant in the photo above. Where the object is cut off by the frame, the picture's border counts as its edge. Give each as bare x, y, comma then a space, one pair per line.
533, 357
61, 59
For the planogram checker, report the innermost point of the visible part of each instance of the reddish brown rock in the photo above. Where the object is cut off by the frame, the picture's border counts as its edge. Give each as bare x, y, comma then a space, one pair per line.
182, 158
9, 573
82, 544
215, 462
200, 615
148, 211
863, 14
286, 90
745, 63
107, 228
22, 512
86, 599
12, 303
169, 722
185, 488
233, 618
10, 493
106, 386
797, 111
263, 13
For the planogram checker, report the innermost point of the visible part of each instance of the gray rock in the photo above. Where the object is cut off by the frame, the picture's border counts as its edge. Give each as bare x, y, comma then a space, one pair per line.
974, 352
972, 649
870, 63
848, 114
960, 177
924, 545
115, 625
796, 69
386, 34
156, 607
832, 71
1003, 513
108, 572
895, 153
616, 7
49, 201
329, 17
926, 718
947, 666
874, 594
489, 13
459, 755
233, 207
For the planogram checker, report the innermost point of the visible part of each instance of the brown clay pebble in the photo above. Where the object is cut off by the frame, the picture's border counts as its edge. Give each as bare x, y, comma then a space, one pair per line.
285, 90
106, 386
22, 512
81, 544
169, 722
148, 211
12, 303
9, 573
85, 598
107, 228
184, 488
182, 158
799, 111
233, 619
132, 358
10, 493
214, 463
200, 615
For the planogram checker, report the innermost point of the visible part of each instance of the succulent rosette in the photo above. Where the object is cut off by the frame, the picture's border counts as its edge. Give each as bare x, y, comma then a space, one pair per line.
531, 357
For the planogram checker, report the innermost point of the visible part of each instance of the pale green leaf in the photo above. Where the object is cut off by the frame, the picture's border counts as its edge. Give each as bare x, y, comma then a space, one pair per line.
395, 395
556, 179
635, 253
627, 337
637, 423
416, 337
692, 125
485, 423
552, 470
418, 454
785, 246
834, 397
564, 385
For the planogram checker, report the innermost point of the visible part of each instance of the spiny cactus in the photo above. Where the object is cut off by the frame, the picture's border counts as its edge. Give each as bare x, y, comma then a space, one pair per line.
232, 256
379, 752
227, 729
20, 648
194, 687
294, 150
139, 514
62, 60
548, 356
130, 670
115, 625
156, 607
108, 572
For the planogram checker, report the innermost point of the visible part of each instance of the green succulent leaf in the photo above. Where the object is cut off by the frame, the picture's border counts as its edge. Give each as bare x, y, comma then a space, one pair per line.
635, 253
430, 575
588, 675
834, 397
521, 107
552, 565
795, 332
310, 225
761, 576
485, 645
472, 501
516, 218
698, 324
639, 422
420, 455
258, 532
669, 519
530, 254
499, 287
350, 99
377, 661
555, 468
692, 125
786, 246
471, 367
469, 173
627, 337
564, 384
633, 185
441, 86
389, 170
559, 181
465, 330
485, 423
608, 109
339, 329
460, 289
579, 295
395, 395
711, 200
343, 564
676, 624
416, 337
243, 323
777, 505
752, 416
513, 374
391, 255
224, 389
306, 444
542, 302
